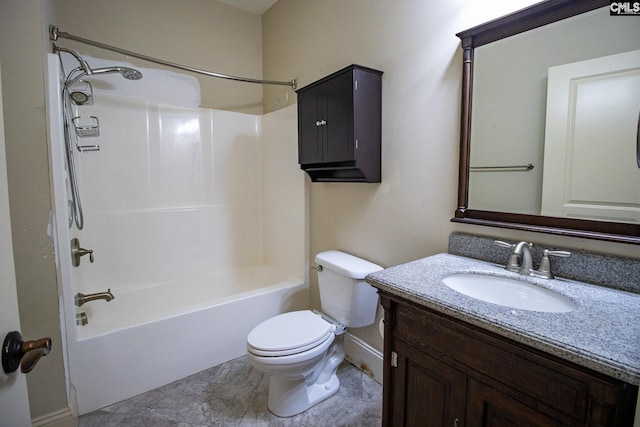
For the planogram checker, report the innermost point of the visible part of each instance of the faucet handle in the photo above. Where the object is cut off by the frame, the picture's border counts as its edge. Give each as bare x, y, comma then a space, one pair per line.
504, 244
561, 254
77, 252
513, 263
544, 270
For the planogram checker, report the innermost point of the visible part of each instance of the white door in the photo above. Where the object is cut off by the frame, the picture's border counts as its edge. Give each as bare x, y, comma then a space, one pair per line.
14, 402
591, 168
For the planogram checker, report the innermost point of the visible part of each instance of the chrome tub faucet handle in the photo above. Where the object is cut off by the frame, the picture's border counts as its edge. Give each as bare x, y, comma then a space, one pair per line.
77, 252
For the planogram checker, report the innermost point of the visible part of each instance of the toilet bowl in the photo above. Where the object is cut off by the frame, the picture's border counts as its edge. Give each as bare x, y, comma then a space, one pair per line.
296, 357
290, 344
301, 350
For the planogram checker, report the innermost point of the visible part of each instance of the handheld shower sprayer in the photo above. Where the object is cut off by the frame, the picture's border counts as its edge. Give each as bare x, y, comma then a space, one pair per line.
126, 72
78, 97
86, 70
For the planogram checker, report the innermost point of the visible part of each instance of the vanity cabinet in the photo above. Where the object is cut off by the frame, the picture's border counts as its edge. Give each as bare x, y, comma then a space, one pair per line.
339, 126
440, 371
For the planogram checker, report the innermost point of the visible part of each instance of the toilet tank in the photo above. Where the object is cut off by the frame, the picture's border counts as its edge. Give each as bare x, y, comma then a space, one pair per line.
344, 294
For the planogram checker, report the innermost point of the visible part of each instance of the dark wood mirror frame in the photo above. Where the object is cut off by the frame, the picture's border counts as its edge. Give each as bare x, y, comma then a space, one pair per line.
526, 19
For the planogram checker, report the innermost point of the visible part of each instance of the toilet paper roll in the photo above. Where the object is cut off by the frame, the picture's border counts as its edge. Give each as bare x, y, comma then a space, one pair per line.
381, 327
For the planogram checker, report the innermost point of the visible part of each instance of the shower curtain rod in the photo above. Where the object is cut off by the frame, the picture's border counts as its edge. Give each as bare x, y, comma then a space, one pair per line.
54, 34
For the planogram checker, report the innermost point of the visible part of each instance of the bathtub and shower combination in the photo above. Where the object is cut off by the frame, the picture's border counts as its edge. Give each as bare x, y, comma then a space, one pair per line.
197, 223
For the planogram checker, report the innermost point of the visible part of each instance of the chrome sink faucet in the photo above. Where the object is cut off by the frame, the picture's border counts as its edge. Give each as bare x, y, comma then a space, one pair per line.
80, 298
521, 260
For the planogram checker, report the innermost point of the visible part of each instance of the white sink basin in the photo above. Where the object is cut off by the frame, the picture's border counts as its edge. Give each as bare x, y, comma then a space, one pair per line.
509, 292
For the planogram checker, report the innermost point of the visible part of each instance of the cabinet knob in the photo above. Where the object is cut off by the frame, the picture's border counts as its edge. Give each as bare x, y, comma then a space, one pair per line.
321, 123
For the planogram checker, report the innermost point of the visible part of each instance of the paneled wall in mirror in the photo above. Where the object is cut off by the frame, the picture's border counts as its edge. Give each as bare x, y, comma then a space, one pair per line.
550, 142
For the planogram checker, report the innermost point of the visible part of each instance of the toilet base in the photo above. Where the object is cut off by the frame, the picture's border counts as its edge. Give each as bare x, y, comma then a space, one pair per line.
291, 396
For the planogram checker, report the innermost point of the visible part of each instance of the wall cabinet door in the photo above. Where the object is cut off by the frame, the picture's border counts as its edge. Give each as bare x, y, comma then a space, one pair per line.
426, 392
310, 132
339, 126
338, 115
325, 121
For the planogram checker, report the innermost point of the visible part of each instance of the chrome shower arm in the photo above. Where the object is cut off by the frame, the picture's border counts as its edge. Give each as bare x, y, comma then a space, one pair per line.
83, 64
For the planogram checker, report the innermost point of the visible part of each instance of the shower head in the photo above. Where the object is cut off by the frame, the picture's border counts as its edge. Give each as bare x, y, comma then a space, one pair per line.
126, 72
86, 70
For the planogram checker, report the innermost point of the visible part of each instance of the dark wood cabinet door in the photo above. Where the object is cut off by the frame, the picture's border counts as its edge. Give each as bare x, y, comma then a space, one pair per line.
339, 140
426, 392
488, 407
325, 122
309, 131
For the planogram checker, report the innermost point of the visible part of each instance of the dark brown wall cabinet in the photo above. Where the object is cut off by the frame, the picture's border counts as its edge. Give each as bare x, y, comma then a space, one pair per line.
440, 371
339, 126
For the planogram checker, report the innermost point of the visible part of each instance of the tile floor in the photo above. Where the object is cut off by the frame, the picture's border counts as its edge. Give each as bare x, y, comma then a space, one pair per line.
235, 394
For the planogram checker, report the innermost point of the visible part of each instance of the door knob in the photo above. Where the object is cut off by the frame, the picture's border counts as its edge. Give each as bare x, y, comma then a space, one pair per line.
77, 252
16, 352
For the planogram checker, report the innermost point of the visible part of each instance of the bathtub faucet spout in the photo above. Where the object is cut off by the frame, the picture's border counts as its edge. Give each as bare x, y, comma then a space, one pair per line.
80, 298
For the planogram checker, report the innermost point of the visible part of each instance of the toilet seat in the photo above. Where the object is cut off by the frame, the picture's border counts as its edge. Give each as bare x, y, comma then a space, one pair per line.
289, 333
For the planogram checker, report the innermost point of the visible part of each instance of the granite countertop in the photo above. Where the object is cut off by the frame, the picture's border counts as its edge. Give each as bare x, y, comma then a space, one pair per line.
602, 334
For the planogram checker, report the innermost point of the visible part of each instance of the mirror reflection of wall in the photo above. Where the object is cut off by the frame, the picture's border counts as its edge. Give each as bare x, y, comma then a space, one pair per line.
510, 98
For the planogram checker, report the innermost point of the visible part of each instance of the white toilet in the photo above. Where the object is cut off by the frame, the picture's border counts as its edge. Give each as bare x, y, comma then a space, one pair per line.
302, 350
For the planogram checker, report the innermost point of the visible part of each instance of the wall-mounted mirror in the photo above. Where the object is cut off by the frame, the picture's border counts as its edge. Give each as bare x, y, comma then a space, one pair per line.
550, 141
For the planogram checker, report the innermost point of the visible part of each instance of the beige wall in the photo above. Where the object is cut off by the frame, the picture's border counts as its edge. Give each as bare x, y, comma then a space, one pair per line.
203, 34
21, 35
414, 43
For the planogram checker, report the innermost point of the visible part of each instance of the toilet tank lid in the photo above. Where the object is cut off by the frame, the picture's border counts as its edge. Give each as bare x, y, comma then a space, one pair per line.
345, 264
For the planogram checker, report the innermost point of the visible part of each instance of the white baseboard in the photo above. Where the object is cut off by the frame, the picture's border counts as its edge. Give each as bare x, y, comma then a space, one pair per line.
363, 356
61, 418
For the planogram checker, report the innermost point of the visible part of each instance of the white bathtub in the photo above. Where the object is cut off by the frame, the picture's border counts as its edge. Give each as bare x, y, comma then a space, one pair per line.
152, 335
174, 194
